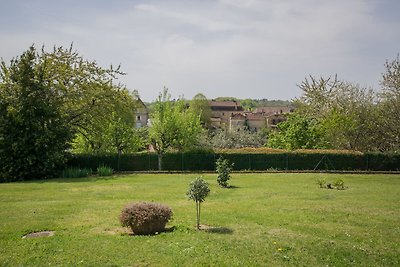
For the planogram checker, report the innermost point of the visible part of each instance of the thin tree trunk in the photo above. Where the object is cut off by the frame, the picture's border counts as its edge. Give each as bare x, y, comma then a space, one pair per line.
160, 161
198, 215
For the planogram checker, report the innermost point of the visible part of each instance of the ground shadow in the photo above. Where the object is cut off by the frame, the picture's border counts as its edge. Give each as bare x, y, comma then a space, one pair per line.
219, 230
88, 179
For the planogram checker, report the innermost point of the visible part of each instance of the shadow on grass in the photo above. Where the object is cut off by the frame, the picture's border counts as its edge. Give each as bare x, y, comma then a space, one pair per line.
88, 179
232, 187
219, 230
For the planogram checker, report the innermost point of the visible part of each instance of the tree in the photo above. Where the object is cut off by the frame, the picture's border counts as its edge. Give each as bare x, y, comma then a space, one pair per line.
115, 132
237, 137
34, 131
224, 168
344, 112
389, 107
199, 105
46, 98
297, 132
173, 126
198, 191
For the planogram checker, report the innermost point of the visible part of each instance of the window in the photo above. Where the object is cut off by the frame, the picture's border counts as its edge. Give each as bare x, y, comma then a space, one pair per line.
138, 117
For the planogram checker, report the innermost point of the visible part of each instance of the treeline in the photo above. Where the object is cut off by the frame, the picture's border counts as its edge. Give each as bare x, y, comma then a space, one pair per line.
53, 104
335, 114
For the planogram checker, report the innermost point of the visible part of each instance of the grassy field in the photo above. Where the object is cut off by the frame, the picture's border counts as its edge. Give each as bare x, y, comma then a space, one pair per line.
264, 220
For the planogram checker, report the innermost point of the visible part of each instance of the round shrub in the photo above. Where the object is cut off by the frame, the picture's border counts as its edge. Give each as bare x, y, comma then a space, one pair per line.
145, 218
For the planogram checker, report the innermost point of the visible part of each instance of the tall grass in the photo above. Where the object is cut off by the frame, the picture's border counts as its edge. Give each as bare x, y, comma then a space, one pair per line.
104, 171
76, 173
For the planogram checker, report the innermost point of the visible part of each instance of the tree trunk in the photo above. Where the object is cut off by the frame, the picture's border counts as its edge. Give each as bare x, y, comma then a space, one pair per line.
198, 215
159, 161
118, 159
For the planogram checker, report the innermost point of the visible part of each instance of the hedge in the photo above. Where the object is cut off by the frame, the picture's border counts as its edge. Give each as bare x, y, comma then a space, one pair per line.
195, 161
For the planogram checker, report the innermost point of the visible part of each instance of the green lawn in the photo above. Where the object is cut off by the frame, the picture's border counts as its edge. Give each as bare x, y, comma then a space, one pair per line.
264, 220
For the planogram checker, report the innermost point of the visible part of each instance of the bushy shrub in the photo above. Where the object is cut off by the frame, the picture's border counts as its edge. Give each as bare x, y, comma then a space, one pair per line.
339, 184
145, 218
76, 173
104, 171
224, 168
321, 183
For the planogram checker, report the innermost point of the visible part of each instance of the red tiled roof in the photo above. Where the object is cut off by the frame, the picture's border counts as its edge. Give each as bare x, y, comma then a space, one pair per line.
273, 110
238, 116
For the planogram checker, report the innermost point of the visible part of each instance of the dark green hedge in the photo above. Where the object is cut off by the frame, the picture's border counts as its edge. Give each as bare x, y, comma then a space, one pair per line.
195, 161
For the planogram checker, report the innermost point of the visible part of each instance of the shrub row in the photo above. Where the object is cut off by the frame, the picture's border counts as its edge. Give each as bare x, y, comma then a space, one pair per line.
190, 161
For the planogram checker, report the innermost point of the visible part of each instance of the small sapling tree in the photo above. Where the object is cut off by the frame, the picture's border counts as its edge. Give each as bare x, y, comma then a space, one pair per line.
198, 191
224, 168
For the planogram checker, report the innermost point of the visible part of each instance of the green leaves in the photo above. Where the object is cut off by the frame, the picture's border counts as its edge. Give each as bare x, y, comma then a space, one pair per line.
198, 190
173, 126
224, 168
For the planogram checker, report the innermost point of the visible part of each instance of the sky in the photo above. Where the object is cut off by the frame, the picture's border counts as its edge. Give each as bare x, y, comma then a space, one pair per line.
239, 48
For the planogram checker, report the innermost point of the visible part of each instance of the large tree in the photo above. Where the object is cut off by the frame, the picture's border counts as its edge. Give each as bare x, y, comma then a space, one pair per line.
45, 99
389, 107
199, 105
173, 126
34, 130
345, 112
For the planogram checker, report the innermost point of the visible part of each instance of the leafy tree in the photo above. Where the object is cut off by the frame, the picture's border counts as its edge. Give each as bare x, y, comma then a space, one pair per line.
389, 108
34, 130
344, 112
49, 97
198, 191
173, 126
224, 168
297, 132
199, 105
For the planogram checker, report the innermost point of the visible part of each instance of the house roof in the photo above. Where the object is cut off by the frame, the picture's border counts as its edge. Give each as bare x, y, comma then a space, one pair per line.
225, 105
273, 110
255, 116
238, 116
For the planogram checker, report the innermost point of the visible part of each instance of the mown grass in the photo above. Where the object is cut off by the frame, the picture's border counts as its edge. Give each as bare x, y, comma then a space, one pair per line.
264, 220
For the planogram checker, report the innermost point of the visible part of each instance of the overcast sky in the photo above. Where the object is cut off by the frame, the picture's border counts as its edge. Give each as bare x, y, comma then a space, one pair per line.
239, 48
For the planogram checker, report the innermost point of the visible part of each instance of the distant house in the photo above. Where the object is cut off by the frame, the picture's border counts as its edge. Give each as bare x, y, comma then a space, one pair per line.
273, 110
230, 114
256, 121
221, 111
237, 120
141, 115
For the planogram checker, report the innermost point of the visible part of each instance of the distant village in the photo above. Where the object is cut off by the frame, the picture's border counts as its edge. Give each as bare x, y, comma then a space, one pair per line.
230, 114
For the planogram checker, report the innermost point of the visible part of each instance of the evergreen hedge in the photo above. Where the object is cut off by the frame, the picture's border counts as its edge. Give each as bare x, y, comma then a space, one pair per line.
205, 161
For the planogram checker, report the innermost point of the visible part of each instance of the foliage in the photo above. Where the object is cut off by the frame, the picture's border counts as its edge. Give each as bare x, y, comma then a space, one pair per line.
245, 160
388, 130
236, 138
46, 98
297, 132
199, 105
339, 184
198, 191
173, 126
145, 218
34, 131
76, 173
344, 113
321, 182
223, 168
104, 171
